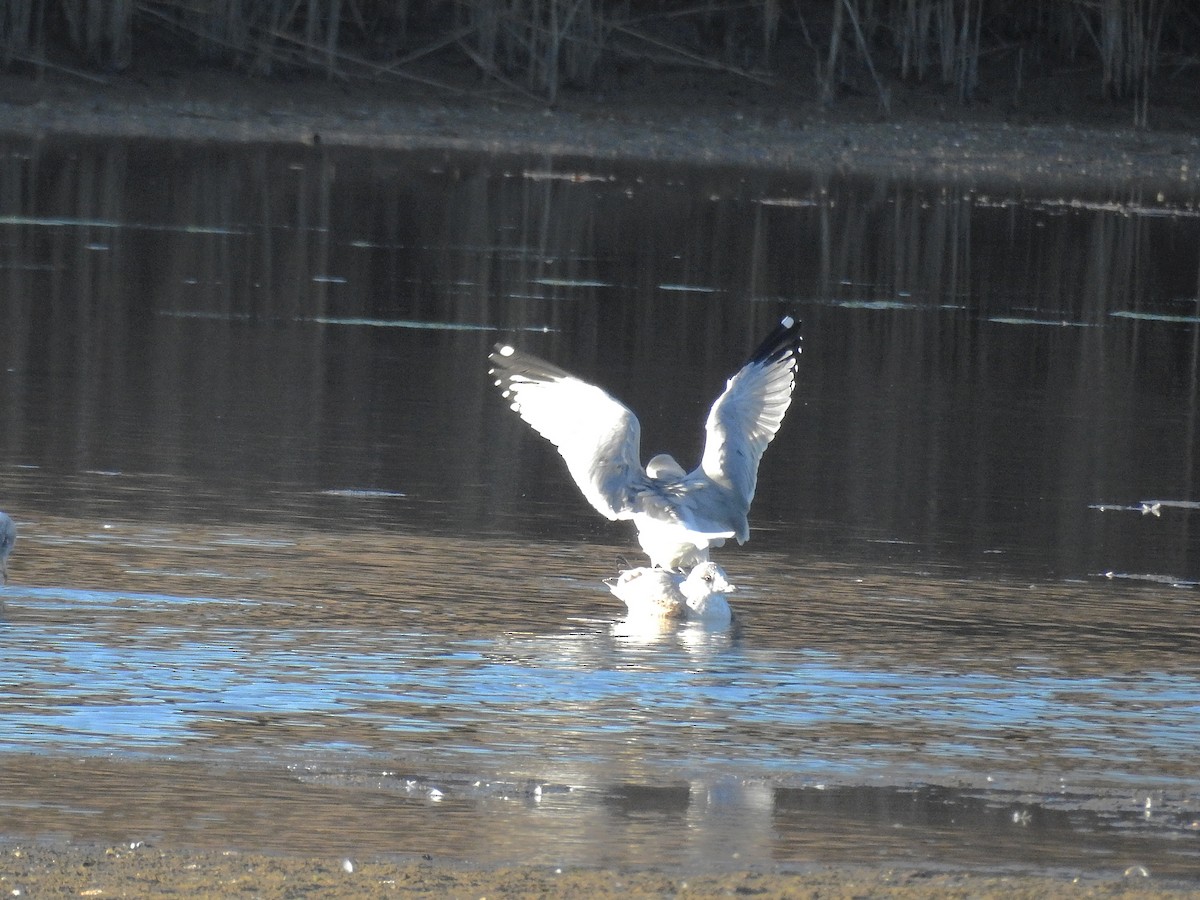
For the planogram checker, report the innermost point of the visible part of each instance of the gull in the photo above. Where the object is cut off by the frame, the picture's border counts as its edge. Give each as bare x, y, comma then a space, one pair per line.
659, 593
678, 514
8, 537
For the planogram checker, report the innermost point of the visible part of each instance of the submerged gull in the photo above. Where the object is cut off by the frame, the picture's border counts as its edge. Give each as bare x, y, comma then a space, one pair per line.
8, 537
700, 596
678, 514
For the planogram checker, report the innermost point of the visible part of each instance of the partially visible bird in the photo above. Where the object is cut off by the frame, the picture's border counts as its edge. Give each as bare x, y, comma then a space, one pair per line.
8, 537
659, 593
678, 514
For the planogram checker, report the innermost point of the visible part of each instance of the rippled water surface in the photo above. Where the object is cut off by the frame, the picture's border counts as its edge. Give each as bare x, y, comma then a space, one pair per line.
290, 575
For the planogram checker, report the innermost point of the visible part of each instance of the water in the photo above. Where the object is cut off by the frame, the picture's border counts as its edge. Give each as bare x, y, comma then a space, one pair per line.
291, 576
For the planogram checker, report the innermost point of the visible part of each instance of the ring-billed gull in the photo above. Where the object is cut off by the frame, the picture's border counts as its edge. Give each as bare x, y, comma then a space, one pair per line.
8, 537
678, 514
659, 593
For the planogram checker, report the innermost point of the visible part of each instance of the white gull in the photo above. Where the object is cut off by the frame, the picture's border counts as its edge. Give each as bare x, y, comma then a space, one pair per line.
678, 514
659, 593
8, 537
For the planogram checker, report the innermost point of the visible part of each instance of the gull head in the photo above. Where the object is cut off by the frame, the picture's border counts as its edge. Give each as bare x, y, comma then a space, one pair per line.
705, 580
704, 592
664, 466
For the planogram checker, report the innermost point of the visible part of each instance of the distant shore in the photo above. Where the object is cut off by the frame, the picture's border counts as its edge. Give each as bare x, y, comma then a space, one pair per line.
669, 123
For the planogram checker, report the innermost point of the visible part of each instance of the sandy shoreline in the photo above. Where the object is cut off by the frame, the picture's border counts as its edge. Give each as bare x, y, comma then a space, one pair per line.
141, 870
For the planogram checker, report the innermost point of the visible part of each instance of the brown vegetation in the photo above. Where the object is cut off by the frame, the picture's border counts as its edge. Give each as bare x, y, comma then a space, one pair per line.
539, 47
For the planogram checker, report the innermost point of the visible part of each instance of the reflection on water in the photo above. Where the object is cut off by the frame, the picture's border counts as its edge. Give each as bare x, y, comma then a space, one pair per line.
285, 557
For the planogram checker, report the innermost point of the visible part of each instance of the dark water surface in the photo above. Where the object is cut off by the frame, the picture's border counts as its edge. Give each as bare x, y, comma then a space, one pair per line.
291, 576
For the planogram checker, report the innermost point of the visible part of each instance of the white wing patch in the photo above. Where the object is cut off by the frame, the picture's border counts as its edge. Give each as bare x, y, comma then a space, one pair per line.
597, 436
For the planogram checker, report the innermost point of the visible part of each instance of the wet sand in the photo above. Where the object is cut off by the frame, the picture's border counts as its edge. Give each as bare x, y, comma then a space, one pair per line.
927, 139
122, 871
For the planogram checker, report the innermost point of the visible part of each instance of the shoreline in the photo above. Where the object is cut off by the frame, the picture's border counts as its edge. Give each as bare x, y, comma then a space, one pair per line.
769, 132
141, 869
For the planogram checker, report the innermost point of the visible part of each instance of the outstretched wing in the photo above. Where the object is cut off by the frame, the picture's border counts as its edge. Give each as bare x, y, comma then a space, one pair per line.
748, 414
597, 436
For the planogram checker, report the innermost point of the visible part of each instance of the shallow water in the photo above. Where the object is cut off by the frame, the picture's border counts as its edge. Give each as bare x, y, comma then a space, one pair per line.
291, 576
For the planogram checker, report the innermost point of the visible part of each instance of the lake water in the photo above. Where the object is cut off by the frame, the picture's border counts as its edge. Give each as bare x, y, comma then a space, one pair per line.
292, 576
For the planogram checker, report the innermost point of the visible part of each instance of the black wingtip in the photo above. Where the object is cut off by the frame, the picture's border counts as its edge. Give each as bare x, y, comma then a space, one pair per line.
783, 341
508, 362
